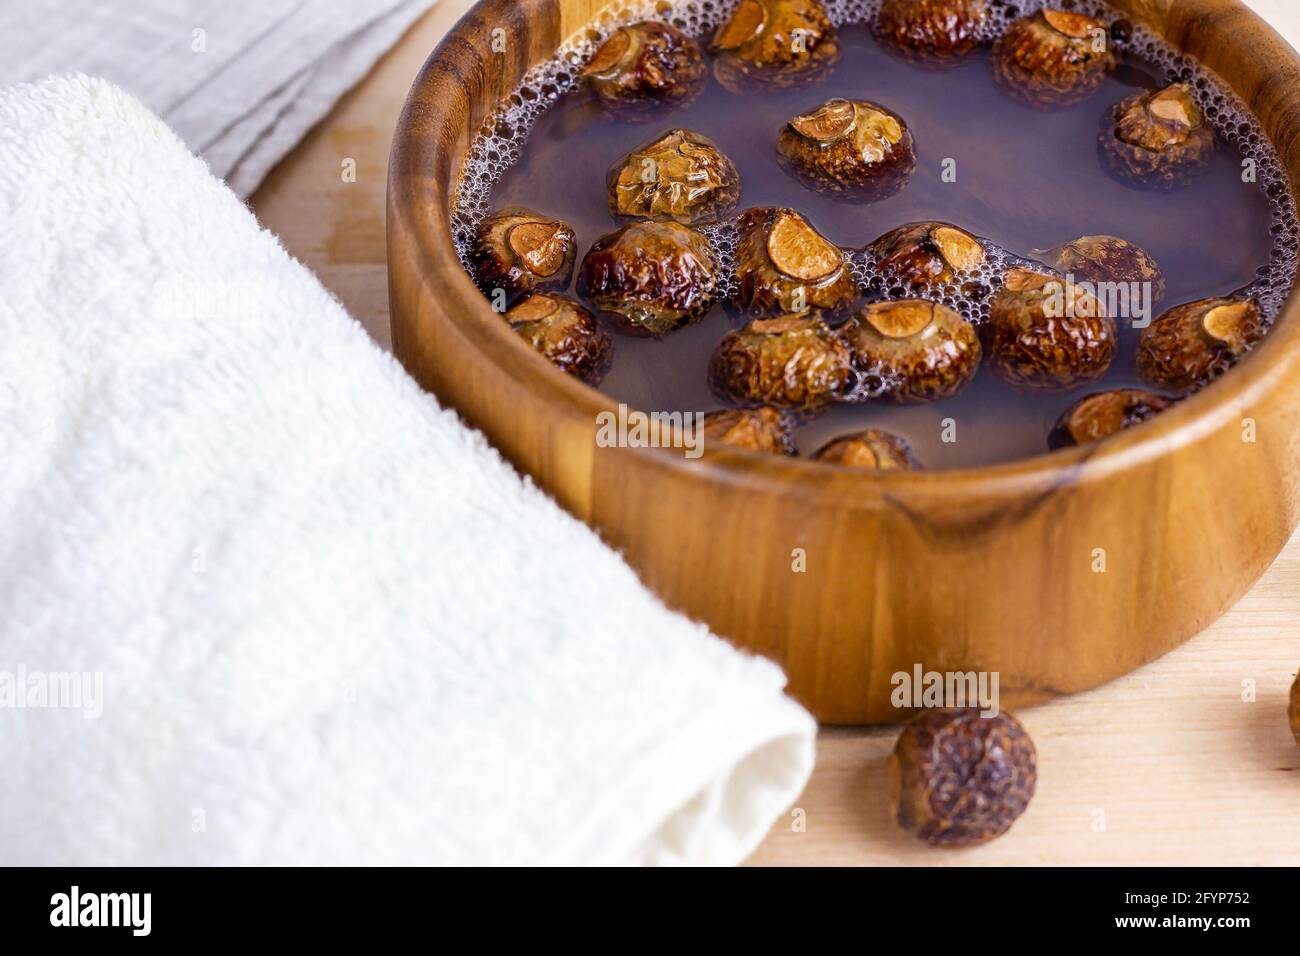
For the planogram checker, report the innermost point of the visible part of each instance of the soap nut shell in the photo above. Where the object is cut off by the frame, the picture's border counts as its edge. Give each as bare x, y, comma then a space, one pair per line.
1047, 334
1192, 344
644, 69
1053, 58
784, 266
870, 450
774, 45
565, 333
854, 149
650, 278
519, 250
794, 362
958, 779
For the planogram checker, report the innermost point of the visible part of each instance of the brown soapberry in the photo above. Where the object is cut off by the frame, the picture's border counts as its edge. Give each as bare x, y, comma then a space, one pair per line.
565, 333
775, 44
1293, 711
959, 779
794, 362
929, 253
911, 350
1045, 333
849, 148
650, 277
784, 266
1191, 345
644, 69
518, 251
1098, 259
765, 430
1104, 414
932, 29
681, 176
1053, 57
1159, 138
870, 450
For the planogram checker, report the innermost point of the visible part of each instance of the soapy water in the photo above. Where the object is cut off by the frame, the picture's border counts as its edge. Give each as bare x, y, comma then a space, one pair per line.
501, 142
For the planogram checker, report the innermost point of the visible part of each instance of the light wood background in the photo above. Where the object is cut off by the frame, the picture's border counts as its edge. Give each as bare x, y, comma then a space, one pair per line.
1187, 761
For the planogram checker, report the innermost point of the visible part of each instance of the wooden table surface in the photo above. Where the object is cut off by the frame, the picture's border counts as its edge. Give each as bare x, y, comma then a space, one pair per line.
1187, 761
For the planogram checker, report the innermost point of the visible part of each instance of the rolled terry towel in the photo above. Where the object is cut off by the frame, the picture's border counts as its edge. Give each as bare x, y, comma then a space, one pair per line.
262, 600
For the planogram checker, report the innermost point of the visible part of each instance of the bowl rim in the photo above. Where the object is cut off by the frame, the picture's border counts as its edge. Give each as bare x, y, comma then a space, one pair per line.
417, 152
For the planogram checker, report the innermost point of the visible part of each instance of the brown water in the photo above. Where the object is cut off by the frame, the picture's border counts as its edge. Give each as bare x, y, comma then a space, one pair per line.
1025, 179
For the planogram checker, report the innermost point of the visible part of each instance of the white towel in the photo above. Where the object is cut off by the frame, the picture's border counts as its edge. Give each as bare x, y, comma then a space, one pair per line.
241, 81
327, 623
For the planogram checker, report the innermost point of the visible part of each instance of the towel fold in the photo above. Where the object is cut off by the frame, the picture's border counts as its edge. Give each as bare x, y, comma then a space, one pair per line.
263, 601
241, 81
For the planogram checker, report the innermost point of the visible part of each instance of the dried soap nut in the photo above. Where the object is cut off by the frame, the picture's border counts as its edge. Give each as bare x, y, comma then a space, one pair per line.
1193, 344
794, 362
1159, 138
958, 779
765, 430
650, 277
1053, 57
1045, 333
784, 266
520, 251
871, 450
681, 176
932, 29
911, 350
1099, 259
1293, 711
929, 253
850, 148
565, 333
774, 44
1105, 414
644, 69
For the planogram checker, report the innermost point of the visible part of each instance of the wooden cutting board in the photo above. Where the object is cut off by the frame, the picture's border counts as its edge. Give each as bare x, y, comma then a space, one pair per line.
1187, 761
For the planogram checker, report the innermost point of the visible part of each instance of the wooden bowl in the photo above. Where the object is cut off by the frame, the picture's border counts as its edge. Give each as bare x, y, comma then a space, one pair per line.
991, 569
